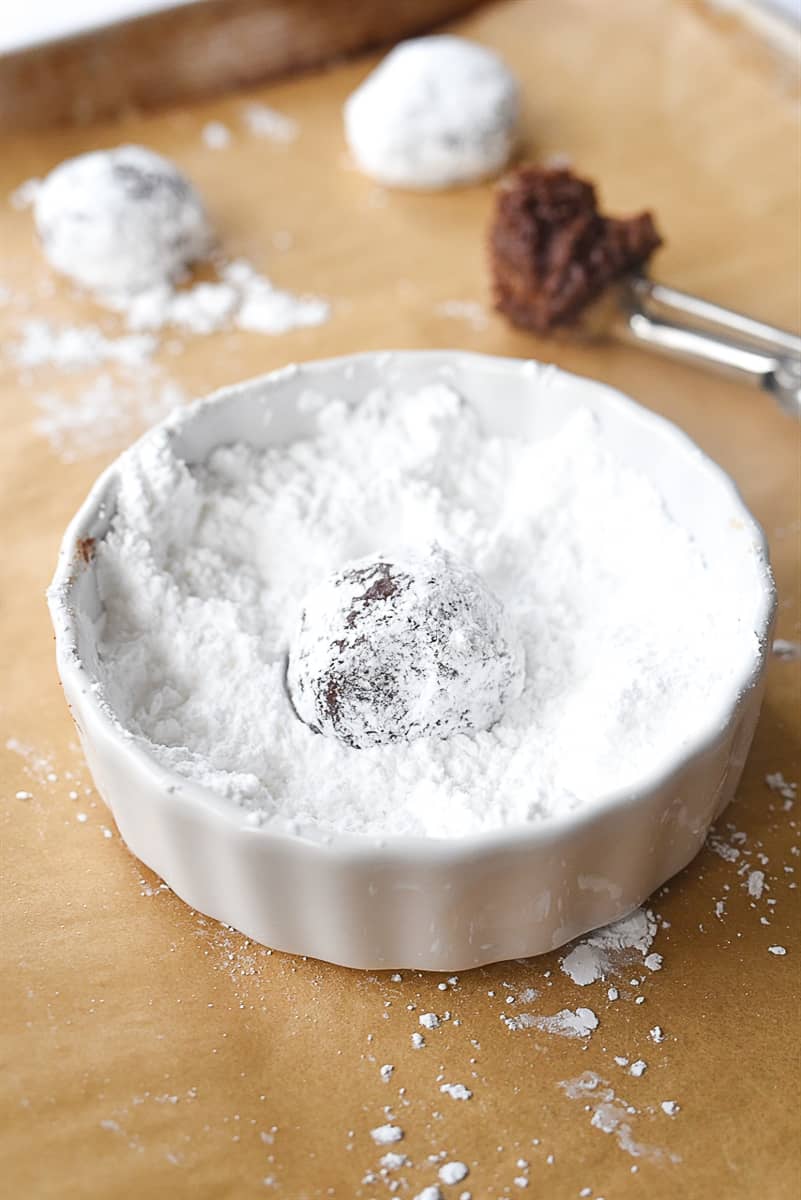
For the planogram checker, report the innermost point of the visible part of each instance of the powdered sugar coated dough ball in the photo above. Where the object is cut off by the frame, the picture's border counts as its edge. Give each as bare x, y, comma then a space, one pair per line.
120, 220
393, 649
438, 111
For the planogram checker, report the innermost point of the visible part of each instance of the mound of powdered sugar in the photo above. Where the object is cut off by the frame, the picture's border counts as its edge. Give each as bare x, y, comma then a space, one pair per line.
630, 639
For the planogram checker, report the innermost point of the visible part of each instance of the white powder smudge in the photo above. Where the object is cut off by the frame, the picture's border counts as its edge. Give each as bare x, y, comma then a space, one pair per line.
216, 135
24, 196
469, 311
456, 1091
756, 884
241, 298
611, 1115
785, 650
38, 766
722, 849
612, 948
265, 122
393, 1162
418, 1041
566, 1023
385, 1135
105, 414
777, 783
74, 347
453, 1172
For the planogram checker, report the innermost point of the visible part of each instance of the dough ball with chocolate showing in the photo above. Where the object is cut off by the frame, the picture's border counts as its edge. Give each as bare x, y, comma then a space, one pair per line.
436, 113
553, 253
121, 220
398, 648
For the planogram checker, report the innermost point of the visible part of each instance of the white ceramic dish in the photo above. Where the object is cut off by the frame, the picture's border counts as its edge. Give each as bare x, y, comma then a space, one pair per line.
414, 902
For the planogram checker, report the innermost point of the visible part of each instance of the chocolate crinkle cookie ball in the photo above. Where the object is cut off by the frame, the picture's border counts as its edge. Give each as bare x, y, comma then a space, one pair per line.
398, 648
120, 221
552, 252
438, 112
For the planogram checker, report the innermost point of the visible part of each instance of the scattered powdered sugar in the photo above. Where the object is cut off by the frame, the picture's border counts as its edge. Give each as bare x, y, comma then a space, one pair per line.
777, 950
25, 195
241, 298
669, 1107
431, 1192
429, 1020
453, 1172
566, 1022
74, 347
612, 948
265, 122
38, 766
777, 783
470, 311
385, 1135
392, 1161
456, 1091
786, 650
611, 1115
105, 413
756, 884
216, 135
207, 565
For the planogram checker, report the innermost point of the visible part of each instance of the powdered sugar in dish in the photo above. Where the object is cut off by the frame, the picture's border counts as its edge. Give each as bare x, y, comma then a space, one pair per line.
629, 639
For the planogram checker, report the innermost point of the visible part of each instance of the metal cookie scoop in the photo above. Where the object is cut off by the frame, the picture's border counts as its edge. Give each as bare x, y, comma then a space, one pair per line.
698, 331
560, 266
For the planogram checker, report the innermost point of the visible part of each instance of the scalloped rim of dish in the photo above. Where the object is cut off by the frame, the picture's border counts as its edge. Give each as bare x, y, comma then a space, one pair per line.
359, 846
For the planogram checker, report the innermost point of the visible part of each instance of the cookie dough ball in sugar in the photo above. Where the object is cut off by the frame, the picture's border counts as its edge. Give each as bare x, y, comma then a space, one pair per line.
437, 112
398, 648
120, 221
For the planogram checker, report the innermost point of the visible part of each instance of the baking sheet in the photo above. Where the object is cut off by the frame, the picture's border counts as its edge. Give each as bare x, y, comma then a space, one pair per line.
145, 1049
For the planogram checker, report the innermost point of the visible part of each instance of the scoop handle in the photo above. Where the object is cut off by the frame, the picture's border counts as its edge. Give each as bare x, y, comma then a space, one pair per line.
696, 330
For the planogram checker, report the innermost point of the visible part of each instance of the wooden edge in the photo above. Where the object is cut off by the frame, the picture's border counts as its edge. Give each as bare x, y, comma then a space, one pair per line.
198, 50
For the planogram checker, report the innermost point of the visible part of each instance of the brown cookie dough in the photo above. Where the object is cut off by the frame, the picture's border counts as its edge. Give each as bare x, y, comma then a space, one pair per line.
552, 253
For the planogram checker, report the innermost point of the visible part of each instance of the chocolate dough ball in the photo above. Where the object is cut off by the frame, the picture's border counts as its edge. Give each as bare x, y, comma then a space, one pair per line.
398, 648
120, 220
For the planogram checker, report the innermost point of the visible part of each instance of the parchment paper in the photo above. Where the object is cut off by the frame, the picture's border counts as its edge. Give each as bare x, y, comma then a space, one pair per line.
148, 1052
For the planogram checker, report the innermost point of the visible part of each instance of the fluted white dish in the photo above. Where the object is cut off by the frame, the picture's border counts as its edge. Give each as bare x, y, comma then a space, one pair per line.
440, 904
